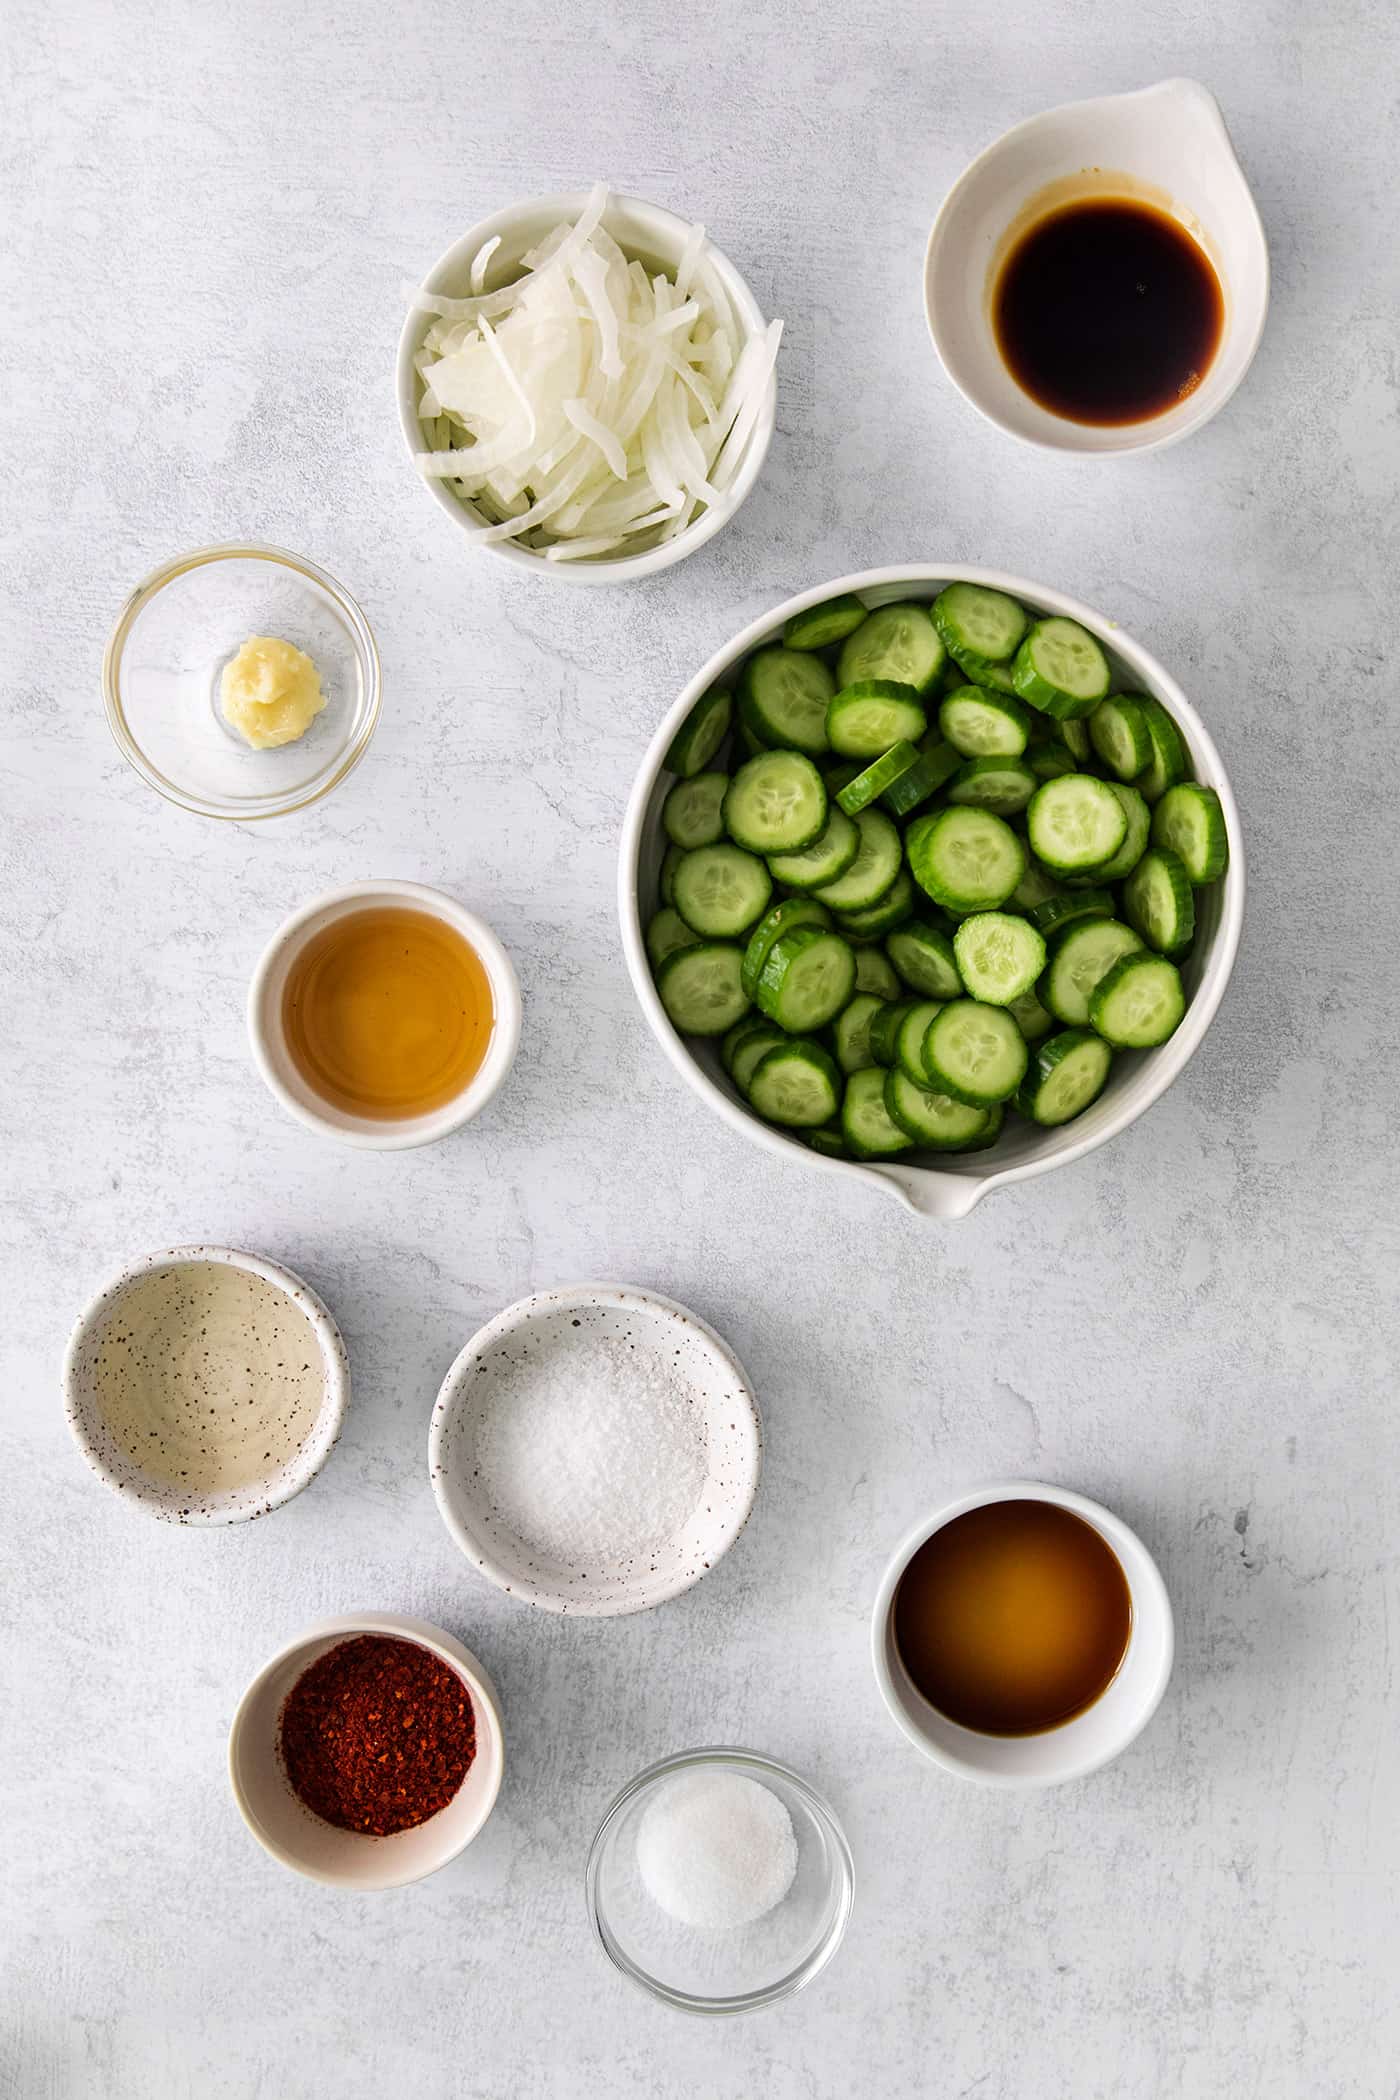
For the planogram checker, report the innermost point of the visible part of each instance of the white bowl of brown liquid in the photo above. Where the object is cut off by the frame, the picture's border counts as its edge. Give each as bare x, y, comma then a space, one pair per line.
1022, 1635
386, 1015
1097, 281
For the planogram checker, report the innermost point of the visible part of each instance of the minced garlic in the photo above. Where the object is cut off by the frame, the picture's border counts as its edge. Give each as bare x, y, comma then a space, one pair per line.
270, 692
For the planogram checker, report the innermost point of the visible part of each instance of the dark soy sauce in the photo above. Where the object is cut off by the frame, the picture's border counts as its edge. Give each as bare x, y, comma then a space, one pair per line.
1107, 311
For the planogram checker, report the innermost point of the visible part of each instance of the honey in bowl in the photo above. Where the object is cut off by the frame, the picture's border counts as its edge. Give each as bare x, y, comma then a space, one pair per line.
1013, 1618
387, 1013
1107, 311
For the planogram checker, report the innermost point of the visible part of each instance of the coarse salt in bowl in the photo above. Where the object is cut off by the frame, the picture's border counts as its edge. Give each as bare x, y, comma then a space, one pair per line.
595, 1450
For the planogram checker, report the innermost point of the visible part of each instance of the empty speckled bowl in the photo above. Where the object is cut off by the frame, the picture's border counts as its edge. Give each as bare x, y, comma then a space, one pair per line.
102, 1340
531, 1341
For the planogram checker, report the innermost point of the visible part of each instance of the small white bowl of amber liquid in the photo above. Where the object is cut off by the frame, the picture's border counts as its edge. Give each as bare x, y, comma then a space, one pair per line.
385, 1015
1022, 1635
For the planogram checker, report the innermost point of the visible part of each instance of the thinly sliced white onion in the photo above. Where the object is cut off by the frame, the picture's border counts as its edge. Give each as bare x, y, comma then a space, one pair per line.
480, 262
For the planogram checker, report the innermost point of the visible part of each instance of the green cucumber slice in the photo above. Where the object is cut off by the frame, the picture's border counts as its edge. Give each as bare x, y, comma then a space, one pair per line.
1050, 762
983, 724
720, 891
1139, 1003
751, 1049
865, 719
1058, 912
796, 1085
936, 763
885, 1027
1003, 785
1158, 904
693, 813
829, 855
999, 957
1077, 822
666, 933
822, 626
974, 1052
872, 873
885, 915
934, 1120
702, 988
1037, 886
909, 1039
1168, 763
776, 803
981, 628
876, 973
1118, 732
898, 642
809, 975
783, 918
923, 956
1190, 822
1061, 669
966, 859
700, 735
1080, 958
829, 1143
1030, 1017
869, 1130
670, 861
783, 698
1074, 735
851, 1029
891, 766
1068, 1073
1134, 838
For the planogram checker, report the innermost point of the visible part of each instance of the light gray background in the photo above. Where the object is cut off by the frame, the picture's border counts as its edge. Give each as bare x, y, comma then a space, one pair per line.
211, 215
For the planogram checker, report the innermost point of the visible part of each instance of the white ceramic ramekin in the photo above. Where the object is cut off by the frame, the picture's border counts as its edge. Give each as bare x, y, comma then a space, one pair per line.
1167, 144
268, 1041
345, 1859
173, 1505
1139, 1077
1092, 1738
642, 230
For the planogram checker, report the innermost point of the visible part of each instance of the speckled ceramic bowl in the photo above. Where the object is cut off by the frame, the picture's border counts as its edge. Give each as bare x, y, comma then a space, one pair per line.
670, 1336
153, 1493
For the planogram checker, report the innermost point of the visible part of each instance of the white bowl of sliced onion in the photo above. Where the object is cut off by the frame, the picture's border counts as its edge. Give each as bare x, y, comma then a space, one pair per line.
587, 385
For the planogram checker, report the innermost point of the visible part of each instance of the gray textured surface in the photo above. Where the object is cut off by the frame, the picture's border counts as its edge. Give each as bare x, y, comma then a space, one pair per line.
211, 216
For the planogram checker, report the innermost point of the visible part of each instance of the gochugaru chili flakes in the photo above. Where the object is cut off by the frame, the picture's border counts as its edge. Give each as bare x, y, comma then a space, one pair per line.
377, 1735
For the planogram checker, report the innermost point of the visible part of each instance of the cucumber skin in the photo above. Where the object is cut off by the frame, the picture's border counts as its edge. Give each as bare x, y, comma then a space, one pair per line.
780, 919
697, 740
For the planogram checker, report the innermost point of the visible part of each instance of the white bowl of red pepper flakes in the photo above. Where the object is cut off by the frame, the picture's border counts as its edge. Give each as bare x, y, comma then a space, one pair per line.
368, 1752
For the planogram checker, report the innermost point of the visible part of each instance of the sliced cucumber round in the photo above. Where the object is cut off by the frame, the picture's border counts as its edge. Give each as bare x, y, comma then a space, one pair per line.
693, 813
851, 1029
702, 988
936, 763
700, 735
982, 628
809, 975
866, 1125
923, 956
863, 720
1168, 763
721, 890
829, 1143
1076, 822
1138, 1003
1158, 903
829, 855
1067, 1074
1050, 762
885, 915
1074, 735
932, 1119
876, 973
909, 1039
753, 1046
670, 861
1061, 669
1030, 1017
1080, 958
797, 1085
776, 803
896, 641
783, 918
1003, 785
974, 1052
1118, 732
872, 873
783, 698
891, 766
668, 932
1134, 839
982, 724
1037, 886
1190, 821
822, 626
1058, 912
966, 859
885, 1027
999, 956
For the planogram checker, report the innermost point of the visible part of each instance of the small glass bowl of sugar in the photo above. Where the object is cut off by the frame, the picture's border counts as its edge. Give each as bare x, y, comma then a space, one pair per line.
719, 1881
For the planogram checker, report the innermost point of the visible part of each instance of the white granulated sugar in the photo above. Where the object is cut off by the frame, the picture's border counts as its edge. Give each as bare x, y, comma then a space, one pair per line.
590, 1450
716, 1849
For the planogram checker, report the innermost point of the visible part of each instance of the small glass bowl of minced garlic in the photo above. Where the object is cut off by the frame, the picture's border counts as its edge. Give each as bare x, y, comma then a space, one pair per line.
241, 682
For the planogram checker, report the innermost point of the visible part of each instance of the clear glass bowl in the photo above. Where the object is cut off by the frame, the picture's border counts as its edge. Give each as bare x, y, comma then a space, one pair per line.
710, 1971
160, 680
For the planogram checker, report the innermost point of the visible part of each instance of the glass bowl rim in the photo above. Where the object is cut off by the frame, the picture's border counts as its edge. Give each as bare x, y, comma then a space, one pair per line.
149, 588
822, 1813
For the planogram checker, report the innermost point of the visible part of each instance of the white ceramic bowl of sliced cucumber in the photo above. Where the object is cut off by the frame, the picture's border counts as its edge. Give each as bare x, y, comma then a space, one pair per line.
996, 992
